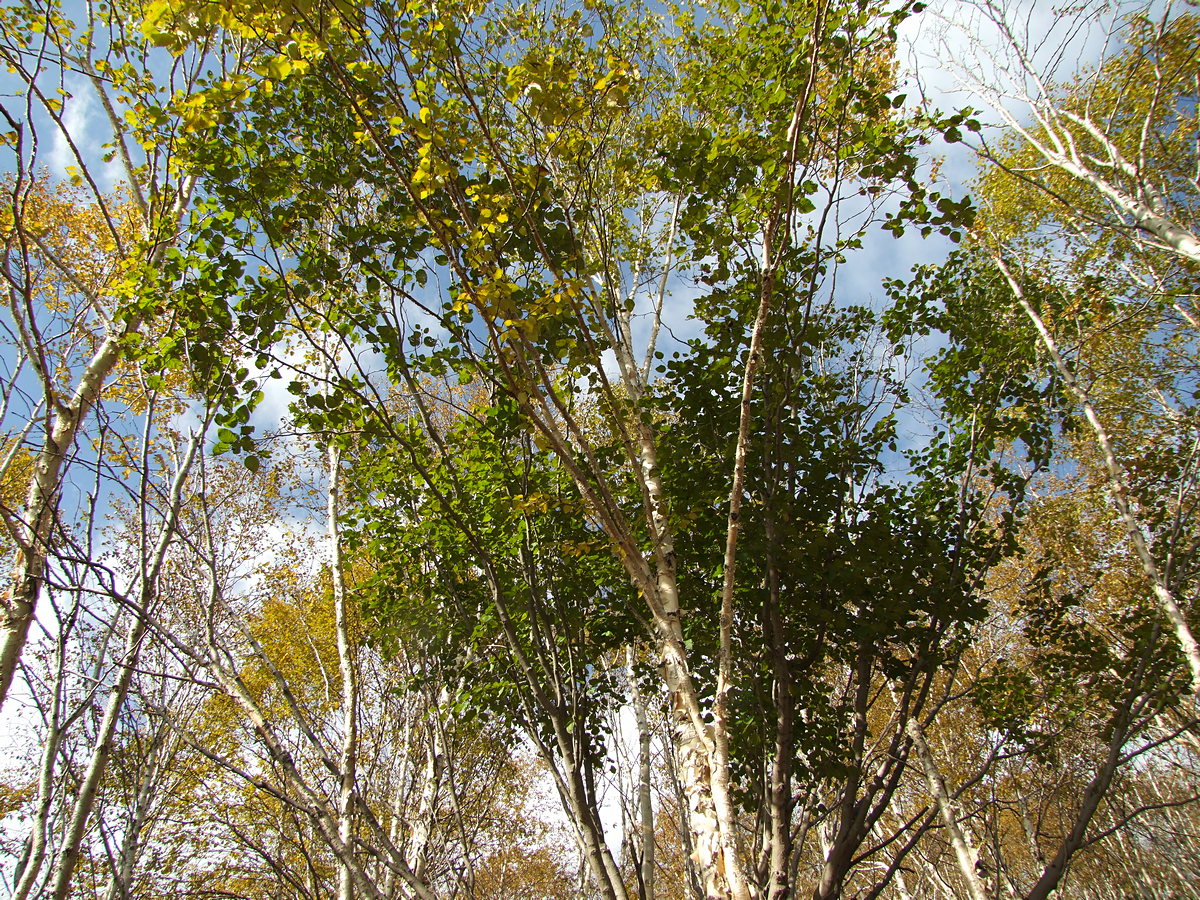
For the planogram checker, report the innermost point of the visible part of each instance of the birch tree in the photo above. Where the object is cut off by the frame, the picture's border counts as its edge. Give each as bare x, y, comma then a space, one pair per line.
259, 800
554, 166
1077, 660
597, 424
1092, 183
81, 287
103, 611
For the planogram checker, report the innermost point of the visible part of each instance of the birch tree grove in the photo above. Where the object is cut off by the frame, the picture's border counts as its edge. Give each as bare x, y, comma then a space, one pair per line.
79, 260
577, 450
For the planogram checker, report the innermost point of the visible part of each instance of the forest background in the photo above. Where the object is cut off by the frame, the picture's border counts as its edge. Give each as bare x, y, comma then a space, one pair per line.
555, 449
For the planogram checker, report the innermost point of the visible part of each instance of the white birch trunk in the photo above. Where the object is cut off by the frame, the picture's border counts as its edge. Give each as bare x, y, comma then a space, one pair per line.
1170, 234
85, 801
19, 603
1125, 181
422, 828
307, 799
693, 739
964, 853
1031, 837
122, 877
346, 663
399, 801
29, 866
644, 798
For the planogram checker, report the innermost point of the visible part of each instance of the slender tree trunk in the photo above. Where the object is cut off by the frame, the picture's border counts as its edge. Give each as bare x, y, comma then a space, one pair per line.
399, 798
1171, 234
579, 803
644, 798
779, 800
346, 663
693, 738
121, 880
964, 853
1097, 788
29, 866
97, 763
303, 796
691, 875
1031, 837
18, 605
725, 675
422, 829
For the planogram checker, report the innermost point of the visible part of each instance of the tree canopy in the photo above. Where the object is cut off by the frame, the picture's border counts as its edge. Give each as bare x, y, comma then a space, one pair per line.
462, 449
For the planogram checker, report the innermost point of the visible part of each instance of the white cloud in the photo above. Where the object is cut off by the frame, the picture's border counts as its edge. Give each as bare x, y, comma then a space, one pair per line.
77, 112
83, 133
